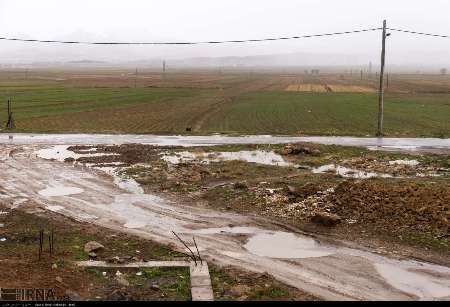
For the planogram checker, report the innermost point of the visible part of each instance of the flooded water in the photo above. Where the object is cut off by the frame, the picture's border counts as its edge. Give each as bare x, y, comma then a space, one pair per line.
413, 281
61, 152
284, 245
405, 162
408, 144
347, 172
255, 156
60, 191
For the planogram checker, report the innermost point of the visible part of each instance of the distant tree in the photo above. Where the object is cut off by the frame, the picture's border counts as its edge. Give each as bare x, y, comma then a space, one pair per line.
443, 71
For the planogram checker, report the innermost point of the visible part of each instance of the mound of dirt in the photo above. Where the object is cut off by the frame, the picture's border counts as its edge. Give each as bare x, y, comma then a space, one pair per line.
395, 206
300, 149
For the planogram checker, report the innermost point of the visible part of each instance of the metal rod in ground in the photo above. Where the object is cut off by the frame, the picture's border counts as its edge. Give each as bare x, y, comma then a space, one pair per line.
41, 239
381, 89
198, 252
192, 253
50, 244
53, 240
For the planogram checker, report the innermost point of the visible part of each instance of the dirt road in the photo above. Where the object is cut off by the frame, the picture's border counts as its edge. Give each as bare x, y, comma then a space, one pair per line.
329, 271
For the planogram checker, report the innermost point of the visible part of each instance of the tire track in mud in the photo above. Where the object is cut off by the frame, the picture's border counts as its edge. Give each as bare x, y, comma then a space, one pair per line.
346, 274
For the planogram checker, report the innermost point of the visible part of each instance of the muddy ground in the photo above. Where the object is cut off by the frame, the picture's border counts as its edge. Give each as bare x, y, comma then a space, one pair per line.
21, 267
404, 213
337, 231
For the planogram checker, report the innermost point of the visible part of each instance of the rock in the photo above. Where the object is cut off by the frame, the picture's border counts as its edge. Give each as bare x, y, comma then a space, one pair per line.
54, 266
287, 150
240, 186
292, 190
72, 295
93, 247
114, 259
118, 295
59, 279
122, 281
241, 289
326, 219
155, 287
306, 167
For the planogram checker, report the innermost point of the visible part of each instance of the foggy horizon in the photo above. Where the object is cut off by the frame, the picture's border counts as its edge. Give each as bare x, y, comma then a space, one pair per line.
141, 21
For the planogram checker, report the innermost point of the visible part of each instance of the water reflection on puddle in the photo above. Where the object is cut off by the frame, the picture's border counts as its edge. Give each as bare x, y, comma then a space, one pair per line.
274, 244
60, 191
255, 156
347, 172
284, 245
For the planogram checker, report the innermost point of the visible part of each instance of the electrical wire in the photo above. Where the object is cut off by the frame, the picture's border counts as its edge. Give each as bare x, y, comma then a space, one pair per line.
188, 43
418, 33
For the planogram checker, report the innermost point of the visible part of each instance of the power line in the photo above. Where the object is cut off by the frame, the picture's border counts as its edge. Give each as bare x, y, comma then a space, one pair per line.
189, 43
419, 33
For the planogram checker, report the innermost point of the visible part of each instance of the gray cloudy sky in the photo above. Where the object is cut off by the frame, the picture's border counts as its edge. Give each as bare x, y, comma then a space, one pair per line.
182, 20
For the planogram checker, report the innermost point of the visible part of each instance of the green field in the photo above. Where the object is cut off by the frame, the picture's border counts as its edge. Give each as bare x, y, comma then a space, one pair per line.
209, 103
334, 114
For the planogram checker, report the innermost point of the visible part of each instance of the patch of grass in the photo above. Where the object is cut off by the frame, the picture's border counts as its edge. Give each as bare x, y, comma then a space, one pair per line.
272, 292
427, 241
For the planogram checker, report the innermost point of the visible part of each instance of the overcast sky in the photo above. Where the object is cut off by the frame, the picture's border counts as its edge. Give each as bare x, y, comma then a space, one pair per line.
182, 20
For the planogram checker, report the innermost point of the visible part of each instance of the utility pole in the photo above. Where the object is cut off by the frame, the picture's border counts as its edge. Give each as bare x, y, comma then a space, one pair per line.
381, 90
10, 124
135, 78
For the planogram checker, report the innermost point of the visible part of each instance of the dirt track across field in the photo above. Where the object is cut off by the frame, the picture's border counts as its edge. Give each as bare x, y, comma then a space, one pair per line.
325, 269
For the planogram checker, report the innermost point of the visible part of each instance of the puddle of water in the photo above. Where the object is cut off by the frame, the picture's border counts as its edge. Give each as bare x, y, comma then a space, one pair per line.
273, 244
284, 245
405, 162
347, 172
255, 156
54, 208
127, 184
60, 191
412, 282
60, 153
235, 230
134, 224
17, 203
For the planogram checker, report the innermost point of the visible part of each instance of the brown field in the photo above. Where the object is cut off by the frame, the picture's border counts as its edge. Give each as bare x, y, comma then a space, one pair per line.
319, 88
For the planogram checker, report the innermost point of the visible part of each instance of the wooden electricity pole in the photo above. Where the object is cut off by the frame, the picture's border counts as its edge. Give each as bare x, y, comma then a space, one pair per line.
381, 90
135, 78
164, 68
10, 124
